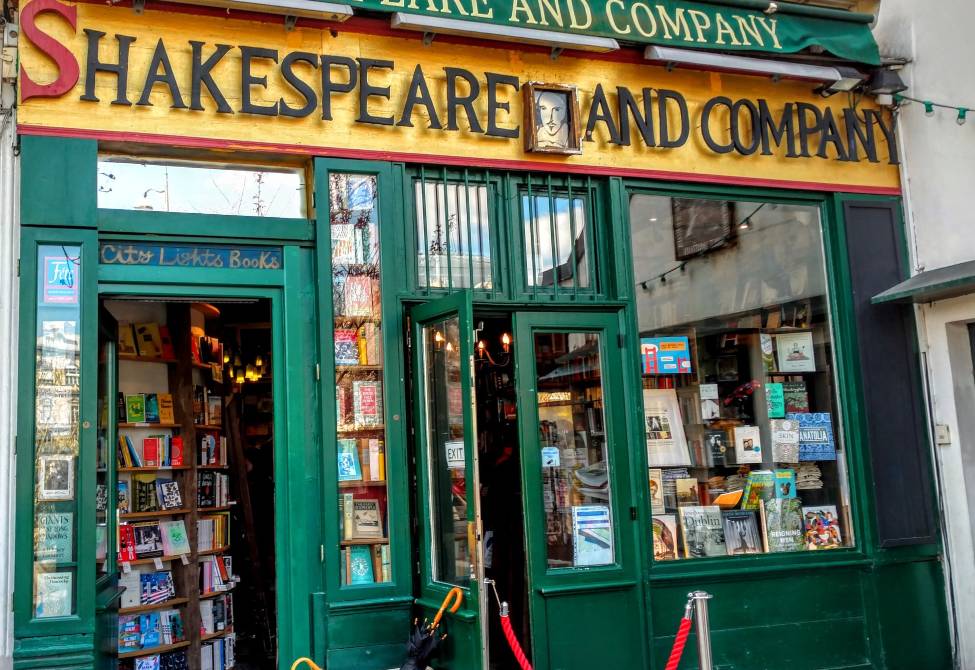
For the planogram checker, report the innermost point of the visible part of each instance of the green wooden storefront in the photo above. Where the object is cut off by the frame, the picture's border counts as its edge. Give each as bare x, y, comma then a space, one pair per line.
878, 604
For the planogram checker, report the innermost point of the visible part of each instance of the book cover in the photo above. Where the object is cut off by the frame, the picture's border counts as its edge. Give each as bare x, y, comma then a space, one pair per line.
785, 483
150, 628
657, 491
784, 526
199, 405
348, 454
367, 403
664, 537
214, 410
346, 346
130, 584
126, 340
370, 344
176, 450
717, 444
148, 340
775, 400
347, 502
759, 486
52, 594
146, 498
702, 530
361, 296
150, 451
687, 492
129, 633
795, 352
166, 413
152, 408
592, 535
151, 662
148, 539
126, 547
816, 441
367, 518
384, 562
822, 527
156, 587
168, 493
166, 343
768, 357
748, 444
664, 429
135, 408
785, 440
377, 470
741, 532
134, 455
360, 565
796, 397
53, 537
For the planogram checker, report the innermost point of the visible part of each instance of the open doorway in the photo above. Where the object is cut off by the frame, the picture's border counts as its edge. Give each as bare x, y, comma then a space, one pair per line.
195, 482
499, 466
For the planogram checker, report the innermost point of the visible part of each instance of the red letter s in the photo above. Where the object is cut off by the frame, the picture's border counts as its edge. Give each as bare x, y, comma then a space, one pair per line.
68, 71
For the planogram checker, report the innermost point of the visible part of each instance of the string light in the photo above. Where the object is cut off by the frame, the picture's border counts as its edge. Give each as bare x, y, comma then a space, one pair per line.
962, 116
931, 107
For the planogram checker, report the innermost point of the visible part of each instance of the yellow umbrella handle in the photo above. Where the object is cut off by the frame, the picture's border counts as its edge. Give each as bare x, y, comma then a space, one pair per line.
307, 661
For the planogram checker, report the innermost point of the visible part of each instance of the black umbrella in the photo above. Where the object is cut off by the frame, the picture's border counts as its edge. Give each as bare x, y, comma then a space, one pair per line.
425, 639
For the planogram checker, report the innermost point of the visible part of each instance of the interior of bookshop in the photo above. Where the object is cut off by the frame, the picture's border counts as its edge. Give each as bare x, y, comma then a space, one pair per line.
739, 379
195, 484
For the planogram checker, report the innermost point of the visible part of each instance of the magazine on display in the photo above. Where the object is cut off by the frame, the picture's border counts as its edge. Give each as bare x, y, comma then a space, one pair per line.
666, 443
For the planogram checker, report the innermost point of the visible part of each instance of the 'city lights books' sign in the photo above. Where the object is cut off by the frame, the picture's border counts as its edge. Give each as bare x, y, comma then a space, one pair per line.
173, 255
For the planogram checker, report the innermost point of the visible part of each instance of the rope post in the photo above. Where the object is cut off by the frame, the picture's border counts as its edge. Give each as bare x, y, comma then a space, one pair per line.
700, 600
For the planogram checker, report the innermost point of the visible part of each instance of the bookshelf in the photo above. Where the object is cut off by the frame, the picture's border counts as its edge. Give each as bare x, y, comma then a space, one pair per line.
185, 389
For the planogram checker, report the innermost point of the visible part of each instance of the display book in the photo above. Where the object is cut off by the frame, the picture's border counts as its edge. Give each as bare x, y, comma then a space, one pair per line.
754, 511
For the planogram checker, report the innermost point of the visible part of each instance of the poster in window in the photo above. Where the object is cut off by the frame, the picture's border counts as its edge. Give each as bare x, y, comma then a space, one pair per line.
61, 280
796, 352
666, 443
55, 478
54, 537
592, 535
52, 594
701, 226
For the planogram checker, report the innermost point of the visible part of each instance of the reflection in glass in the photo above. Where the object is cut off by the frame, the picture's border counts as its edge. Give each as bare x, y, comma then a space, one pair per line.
575, 465
56, 428
556, 244
200, 188
359, 396
453, 235
445, 428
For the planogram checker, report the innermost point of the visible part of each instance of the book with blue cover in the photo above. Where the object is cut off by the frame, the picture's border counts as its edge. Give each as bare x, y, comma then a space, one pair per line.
360, 565
350, 469
816, 441
150, 630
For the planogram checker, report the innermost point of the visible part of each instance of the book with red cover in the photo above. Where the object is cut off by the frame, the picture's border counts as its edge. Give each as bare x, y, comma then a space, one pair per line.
167, 343
150, 451
126, 546
176, 451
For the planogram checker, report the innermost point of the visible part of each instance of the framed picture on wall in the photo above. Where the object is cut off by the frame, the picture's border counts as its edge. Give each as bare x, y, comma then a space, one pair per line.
701, 226
552, 119
55, 478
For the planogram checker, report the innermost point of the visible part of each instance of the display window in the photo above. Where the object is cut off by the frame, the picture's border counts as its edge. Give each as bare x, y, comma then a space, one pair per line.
741, 417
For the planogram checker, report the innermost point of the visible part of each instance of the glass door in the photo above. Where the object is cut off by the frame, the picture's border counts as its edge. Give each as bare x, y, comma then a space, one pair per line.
449, 506
107, 590
580, 514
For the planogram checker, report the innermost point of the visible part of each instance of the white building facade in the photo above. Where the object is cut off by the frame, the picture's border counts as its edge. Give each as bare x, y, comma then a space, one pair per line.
938, 156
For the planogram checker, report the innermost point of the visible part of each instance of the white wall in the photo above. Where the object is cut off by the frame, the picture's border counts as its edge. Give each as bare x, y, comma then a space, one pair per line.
939, 197
9, 252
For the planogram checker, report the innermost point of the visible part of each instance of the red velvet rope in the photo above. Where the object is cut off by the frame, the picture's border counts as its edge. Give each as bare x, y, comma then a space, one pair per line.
515, 646
679, 643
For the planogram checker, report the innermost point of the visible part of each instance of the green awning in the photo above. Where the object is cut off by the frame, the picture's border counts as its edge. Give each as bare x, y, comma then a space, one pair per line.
940, 284
725, 25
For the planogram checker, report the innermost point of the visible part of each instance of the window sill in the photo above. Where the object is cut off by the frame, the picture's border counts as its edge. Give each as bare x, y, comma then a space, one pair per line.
757, 565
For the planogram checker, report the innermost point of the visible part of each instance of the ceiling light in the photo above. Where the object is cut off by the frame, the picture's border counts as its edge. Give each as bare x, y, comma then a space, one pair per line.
742, 64
307, 9
435, 25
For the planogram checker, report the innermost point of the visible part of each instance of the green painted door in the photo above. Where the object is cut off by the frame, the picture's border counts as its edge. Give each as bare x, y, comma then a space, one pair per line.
450, 529
580, 517
107, 590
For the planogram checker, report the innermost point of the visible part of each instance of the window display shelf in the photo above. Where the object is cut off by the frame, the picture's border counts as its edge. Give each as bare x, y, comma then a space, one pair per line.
153, 515
165, 605
161, 468
149, 425
361, 484
150, 651
364, 540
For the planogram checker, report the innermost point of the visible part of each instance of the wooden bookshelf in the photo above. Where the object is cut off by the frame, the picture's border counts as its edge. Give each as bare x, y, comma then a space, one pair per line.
154, 515
206, 427
364, 540
360, 430
212, 467
146, 359
214, 594
155, 650
213, 552
169, 604
219, 633
151, 561
161, 468
149, 425
219, 508
361, 484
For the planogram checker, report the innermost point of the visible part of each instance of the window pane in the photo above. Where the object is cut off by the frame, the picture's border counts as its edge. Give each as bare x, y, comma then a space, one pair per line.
453, 235
741, 416
56, 429
201, 188
447, 475
575, 466
359, 376
556, 244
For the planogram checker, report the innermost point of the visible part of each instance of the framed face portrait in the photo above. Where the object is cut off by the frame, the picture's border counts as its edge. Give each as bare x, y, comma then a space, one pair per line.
55, 478
552, 119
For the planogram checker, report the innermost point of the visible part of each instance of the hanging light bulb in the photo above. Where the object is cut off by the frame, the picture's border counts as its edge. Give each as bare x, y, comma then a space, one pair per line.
962, 116
506, 342
481, 348
928, 108
259, 361
240, 376
226, 357
237, 361
450, 346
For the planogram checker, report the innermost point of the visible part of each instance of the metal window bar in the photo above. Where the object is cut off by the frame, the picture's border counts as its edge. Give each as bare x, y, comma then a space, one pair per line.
554, 233
572, 235
534, 240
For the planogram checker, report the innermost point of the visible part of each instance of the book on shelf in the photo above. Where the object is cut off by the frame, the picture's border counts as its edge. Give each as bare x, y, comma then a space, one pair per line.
347, 515
816, 442
166, 413
126, 547
784, 527
219, 654
367, 518
54, 537
148, 340
135, 408
129, 633
343, 404
759, 487
346, 346
796, 397
822, 527
214, 410
664, 429
216, 614
156, 587
748, 444
150, 630
702, 531
785, 440
367, 403
173, 628
131, 585
664, 537
175, 541
213, 489
349, 466
215, 574
169, 495
785, 483
146, 495
199, 405
150, 451
148, 539
213, 532
126, 339
687, 491
166, 343
213, 449
775, 400
718, 446
377, 460
53, 594
657, 505
370, 344
152, 407
741, 532
174, 660
362, 296
359, 565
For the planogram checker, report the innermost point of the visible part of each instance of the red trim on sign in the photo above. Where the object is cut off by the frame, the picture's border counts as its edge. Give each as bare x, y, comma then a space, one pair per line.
461, 161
